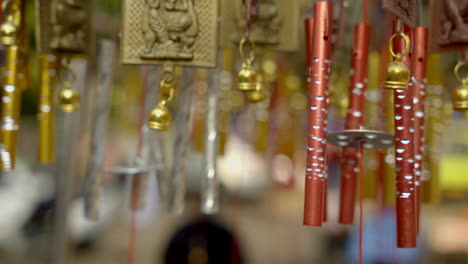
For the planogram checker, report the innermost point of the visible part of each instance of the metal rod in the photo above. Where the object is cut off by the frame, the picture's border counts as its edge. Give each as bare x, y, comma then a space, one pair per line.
101, 117
418, 79
210, 184
177, 176
404, 155
354, 120
318, 78
46, 109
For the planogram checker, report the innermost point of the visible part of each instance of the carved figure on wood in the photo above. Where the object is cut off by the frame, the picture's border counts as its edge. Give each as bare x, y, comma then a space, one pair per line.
454, 22
265, 29
68, 19
169, 29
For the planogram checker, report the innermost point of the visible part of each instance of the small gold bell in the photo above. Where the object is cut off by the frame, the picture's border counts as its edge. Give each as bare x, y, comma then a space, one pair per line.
8, 33
160, 117
397, 76
260, 92
247, 78
69, 100
460, 98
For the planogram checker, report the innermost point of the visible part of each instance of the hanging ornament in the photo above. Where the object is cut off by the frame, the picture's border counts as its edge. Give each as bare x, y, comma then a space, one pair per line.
318, 73
397, 74
247, 76
160, 117
169, 43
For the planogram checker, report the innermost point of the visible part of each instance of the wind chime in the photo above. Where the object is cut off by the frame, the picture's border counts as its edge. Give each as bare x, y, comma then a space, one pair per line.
170, 34
258, 29
406, 76
63, 33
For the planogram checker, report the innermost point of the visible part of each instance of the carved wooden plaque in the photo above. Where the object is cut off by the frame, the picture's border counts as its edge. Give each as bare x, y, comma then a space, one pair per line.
64, 26
449, 25
182, 32
402, 9
277, 25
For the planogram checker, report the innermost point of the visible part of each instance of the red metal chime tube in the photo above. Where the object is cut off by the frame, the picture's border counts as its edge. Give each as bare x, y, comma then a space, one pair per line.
404, 155
318, 73
354, 120
418, 79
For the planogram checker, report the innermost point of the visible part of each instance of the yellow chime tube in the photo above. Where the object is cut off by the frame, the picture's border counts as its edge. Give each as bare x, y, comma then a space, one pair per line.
434, 123
10, 111
224, 108
45, 114
11, 94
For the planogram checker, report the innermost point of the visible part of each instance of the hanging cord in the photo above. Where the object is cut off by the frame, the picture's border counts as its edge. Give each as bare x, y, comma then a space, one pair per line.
361, 198
135, 191
364, 15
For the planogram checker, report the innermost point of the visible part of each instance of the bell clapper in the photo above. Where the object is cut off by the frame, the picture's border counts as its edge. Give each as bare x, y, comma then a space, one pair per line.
160, 117
397, 74
460, 95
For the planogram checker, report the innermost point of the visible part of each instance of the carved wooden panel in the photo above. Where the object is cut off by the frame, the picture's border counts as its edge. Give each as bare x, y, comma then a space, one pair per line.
64, 26
449, 24
402, 9
182, 32
277, 25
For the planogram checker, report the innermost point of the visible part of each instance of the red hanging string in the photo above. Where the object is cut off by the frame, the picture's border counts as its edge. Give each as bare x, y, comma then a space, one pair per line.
135, 191
361, 199
364, 15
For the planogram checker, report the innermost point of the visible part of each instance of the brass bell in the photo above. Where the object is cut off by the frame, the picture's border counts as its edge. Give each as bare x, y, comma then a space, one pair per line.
460, 98
69, 100
160, 117
247, 78
260, 92
397, 76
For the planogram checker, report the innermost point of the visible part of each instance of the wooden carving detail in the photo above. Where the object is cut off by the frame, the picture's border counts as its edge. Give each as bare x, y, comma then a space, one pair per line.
267, 25
402, 9
454, 22
449, 24
68, 21
64, 26
169, 28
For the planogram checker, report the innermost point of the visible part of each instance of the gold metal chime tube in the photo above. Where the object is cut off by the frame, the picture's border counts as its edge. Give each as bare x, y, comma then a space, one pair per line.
11, 94
45, 114
434, 125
